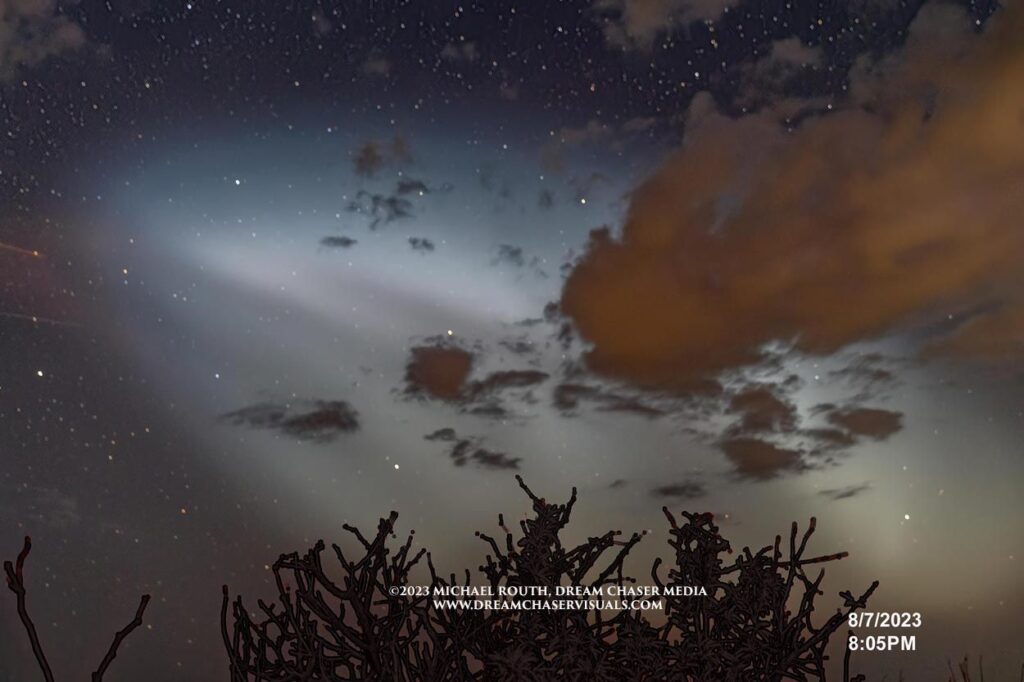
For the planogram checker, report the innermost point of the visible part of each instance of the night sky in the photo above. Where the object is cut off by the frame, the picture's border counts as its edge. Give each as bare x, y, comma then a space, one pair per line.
267, 268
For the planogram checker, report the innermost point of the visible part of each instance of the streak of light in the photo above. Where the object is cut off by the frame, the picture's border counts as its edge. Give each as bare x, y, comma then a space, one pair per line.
17, 249
38, 320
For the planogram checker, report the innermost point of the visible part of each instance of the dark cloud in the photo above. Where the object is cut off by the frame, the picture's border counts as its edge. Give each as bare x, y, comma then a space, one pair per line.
490, 408
32, 31
876, 194
497, 381
586, 185
410, 186
552, 312
568, 397
382, 209
337, 242
438, 371
617, 483
421, 244
442, 372
866, 372
546, 199
518, 346
491, 183
761, 410
759, 459
484, 398
686, 490
489, 459
374, 155
866, 421
826, 439
469, 451
445, 434
319, 420
507, 254
847, 492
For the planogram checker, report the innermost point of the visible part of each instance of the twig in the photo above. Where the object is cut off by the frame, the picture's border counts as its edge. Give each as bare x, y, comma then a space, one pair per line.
119, 637
16, 583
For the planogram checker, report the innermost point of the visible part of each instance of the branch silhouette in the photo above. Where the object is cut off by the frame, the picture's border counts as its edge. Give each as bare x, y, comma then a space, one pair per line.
16, 583
340, 620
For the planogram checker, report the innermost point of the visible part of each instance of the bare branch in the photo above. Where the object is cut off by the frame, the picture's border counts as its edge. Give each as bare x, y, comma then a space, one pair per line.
16, 583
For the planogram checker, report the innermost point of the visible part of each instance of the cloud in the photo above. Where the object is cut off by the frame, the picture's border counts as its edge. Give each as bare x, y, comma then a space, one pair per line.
762, 410
377, 65
829, 440
868, 422
774, 75
794, 51
759, 459
768, 434
586, 184
486, 459
508, 92
32, 31
546, 199
465, 451
514, 256
498, 381
322, 25
865, 371
438, 371
31, 505
687, 490
520, 346
320, 421
508, 254
486, 397
847, 492
382, 209
337, 242
639, 124
445, 434
900, 207
463, 52
411, 186
421, 244
568, 397
593, 133
636, 24
370, 157
442, 372
489, 181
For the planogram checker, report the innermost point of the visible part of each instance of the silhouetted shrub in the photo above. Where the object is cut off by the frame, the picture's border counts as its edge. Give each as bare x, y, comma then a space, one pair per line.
757, 622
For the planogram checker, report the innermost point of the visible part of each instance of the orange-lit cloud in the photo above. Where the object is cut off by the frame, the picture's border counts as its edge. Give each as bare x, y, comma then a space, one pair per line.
902, 205
438, 371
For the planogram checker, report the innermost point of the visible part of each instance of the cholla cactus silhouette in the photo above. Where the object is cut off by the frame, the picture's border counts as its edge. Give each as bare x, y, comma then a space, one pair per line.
756, 622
